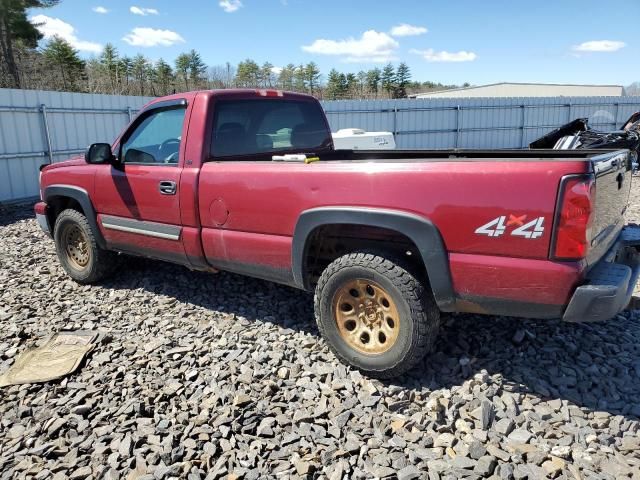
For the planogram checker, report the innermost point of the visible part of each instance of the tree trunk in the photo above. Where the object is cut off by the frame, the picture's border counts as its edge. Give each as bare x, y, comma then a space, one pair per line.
7, 52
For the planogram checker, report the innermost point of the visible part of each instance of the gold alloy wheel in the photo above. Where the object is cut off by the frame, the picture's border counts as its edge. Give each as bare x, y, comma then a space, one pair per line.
366, 316
76, 246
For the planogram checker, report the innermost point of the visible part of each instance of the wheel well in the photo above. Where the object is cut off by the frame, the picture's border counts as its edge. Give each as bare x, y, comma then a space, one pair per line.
57, 204
328, 242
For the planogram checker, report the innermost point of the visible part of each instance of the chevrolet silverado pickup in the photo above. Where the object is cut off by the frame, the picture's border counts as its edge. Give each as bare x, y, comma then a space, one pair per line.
248, 181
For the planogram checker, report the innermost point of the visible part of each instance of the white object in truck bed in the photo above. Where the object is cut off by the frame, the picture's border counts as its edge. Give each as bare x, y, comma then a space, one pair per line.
358, 139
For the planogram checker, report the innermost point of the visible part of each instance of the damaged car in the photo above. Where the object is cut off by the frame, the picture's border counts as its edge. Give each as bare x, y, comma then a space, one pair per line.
577, 134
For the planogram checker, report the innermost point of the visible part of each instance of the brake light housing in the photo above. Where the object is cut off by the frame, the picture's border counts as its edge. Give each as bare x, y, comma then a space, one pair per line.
575, 215
269, 93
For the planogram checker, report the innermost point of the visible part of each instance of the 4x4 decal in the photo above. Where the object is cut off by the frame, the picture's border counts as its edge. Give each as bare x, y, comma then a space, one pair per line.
498, 226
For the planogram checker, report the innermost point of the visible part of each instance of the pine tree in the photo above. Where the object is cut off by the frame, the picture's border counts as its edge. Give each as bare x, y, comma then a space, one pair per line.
403, 78
197, 68
66, 61
266, 75
300, 79
373, 81
182, 69
15, 29
163, 77
109, 63
335, 87
388, 79
248, 74
139, 72
312, 77
285, 79
125, 67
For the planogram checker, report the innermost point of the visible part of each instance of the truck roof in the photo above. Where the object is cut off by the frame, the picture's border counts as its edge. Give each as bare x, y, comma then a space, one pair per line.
237, 93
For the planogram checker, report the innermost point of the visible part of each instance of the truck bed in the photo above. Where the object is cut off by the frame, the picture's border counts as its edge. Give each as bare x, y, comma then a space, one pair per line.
512, 155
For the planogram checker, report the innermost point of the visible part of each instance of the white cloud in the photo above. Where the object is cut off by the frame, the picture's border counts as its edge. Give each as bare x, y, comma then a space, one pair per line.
406, 30
152, 37
372, 46
599, 46
276, 70
100, 9
430, 55
230, 6
51, 27
143, 11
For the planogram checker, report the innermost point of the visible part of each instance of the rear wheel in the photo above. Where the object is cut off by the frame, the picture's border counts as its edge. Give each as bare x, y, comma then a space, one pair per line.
375, 314
78, 251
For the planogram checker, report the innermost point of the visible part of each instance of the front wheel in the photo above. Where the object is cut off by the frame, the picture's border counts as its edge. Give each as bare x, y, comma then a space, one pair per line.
375, 315
77, 249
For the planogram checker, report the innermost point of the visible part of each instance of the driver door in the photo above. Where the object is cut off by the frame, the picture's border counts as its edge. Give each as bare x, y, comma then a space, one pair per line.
138, 200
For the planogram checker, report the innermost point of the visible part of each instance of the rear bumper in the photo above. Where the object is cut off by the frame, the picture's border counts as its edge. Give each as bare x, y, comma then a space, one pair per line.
40, 210
609, 285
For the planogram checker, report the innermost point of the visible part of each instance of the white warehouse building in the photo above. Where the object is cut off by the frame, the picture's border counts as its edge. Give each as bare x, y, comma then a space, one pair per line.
507, 89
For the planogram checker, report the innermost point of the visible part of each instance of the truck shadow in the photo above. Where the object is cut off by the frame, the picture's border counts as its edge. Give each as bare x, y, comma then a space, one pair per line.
596, 366
13, 213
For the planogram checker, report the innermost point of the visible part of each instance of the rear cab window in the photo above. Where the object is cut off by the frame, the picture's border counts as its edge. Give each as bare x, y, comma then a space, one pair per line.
260, 127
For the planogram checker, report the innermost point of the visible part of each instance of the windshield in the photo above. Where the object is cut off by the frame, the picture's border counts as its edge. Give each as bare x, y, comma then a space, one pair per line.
249, 127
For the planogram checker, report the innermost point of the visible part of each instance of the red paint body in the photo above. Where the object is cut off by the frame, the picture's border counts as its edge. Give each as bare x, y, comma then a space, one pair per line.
245, 212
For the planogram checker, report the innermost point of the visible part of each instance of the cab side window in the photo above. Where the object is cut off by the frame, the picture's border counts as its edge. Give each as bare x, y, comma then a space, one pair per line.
156, 140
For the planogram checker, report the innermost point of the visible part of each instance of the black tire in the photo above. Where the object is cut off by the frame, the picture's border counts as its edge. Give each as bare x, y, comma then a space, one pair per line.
419, 317
87, 268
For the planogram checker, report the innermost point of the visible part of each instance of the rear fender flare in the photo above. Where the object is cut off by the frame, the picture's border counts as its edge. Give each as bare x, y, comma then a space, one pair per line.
82, 197
424, 234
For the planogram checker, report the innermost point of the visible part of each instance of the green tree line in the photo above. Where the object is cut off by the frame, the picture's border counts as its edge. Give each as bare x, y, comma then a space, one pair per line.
57, 65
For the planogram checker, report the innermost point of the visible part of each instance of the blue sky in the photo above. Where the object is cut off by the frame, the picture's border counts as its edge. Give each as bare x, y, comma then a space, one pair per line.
479, 42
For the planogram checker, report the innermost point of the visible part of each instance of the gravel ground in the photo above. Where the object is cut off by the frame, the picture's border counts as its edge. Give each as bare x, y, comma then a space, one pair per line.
222, 376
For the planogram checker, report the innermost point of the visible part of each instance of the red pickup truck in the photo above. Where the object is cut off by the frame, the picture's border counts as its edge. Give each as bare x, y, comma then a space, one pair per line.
248, 181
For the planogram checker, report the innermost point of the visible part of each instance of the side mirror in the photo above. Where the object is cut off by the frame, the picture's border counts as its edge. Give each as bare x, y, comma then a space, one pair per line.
99, 153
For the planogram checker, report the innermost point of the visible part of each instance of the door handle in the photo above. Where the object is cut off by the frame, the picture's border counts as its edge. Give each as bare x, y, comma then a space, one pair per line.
167, 187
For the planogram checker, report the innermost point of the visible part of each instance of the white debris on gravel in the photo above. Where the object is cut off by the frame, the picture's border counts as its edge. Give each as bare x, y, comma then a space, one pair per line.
221, 376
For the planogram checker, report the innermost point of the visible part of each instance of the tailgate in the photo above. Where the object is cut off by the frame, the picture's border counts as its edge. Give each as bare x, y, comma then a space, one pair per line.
613, 184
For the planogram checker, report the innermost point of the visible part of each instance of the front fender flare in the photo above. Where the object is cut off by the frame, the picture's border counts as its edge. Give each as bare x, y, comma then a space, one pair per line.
424, 234
82, 197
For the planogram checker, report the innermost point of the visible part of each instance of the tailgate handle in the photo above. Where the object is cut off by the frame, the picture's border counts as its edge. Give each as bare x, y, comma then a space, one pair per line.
167, 187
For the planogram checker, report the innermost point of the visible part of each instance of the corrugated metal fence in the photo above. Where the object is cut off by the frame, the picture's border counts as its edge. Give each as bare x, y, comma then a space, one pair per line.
477, 122
39, 127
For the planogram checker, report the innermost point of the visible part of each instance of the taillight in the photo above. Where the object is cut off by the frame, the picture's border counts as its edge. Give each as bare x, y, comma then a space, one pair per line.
574, 218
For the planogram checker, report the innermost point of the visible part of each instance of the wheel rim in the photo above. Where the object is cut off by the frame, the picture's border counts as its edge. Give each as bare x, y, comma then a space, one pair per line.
76, 246
366, 316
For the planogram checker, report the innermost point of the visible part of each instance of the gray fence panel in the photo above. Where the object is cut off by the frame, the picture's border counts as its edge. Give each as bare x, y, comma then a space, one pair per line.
476, 122
76, 120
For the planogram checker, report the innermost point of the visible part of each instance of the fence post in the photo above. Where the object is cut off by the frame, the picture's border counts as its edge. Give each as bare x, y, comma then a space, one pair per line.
45, 122
617, 105
395, 120
130, 113
570, 112
457, 126
523, 118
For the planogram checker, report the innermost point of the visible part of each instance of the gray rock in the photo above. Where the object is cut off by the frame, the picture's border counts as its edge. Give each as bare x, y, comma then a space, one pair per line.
463, 462
485, 466
477, 449
444, 440
504, 426
410, 472
520, 436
